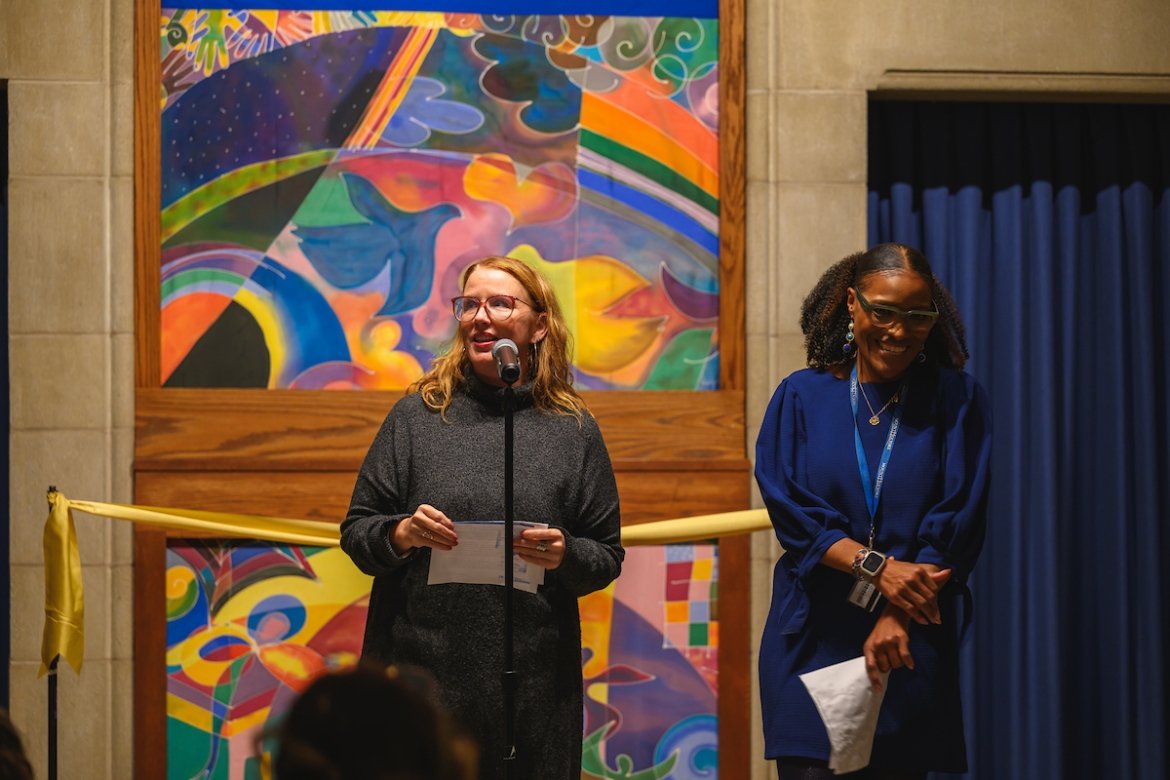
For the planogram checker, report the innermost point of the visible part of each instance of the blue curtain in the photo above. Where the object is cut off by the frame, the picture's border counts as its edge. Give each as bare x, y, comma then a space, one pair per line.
1051, 226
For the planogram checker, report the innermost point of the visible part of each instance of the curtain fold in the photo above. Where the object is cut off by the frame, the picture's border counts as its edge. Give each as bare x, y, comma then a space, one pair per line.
1050, 224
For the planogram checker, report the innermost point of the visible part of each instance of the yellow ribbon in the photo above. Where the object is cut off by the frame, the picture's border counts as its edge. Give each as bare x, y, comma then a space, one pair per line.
64, 602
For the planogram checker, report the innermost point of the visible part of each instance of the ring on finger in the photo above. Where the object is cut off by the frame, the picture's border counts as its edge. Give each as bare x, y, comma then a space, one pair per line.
428, 535
542, 546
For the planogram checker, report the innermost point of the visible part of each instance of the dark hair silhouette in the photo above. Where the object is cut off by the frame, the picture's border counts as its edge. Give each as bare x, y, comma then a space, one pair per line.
14, 763
371, 724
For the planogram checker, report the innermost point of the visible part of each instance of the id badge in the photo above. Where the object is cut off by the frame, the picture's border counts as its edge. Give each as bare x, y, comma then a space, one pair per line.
865, 595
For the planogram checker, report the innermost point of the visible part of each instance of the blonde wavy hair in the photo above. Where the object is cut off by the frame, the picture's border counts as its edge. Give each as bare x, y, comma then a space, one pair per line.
549, 366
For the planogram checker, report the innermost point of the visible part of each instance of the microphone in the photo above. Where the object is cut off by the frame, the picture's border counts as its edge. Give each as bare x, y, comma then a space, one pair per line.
507, 357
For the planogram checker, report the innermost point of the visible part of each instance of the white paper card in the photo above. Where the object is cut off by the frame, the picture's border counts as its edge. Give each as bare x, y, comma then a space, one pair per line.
849, 707
478, 559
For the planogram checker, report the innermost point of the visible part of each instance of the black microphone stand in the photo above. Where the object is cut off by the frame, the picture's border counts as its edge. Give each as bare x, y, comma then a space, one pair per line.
509, 677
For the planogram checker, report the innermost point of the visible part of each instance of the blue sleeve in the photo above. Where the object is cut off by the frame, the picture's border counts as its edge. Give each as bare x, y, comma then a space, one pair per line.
951, 534
805, 524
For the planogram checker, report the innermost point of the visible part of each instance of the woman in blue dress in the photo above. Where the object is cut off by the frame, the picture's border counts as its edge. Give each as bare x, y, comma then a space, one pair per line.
873, 464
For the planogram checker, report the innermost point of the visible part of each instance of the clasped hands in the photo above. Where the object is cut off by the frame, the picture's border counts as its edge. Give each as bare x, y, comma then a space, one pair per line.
911, 590
429, 527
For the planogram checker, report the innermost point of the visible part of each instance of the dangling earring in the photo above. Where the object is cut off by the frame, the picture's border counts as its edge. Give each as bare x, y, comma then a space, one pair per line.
922, 356
533, 358
847, 347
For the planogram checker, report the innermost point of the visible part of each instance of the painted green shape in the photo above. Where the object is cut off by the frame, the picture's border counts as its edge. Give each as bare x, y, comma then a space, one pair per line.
681, 364
230, 186
685, 49
198, 276
252, 769
698, 634
188, 749
254, 218
648, 167
328, 204
592, 763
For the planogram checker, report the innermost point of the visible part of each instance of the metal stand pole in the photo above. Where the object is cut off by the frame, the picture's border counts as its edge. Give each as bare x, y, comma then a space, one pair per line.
509, 665
52, 735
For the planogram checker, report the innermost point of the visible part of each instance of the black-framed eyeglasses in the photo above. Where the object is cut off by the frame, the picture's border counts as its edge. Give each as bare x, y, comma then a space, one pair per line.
885, 316
498, 307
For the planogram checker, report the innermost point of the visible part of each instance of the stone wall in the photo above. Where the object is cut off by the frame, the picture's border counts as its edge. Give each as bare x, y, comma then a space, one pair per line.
69, 68
811, 67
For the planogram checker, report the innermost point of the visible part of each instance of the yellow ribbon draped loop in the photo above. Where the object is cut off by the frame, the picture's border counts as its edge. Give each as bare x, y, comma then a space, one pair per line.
64, 600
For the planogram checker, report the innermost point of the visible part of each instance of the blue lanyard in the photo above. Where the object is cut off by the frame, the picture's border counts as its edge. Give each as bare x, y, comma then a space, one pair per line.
873, 493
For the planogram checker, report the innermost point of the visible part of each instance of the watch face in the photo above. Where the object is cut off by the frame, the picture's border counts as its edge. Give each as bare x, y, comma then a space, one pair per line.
872, 563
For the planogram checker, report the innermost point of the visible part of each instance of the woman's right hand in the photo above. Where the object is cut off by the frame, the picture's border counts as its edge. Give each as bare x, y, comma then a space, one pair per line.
427, 527
888, 646
913, 588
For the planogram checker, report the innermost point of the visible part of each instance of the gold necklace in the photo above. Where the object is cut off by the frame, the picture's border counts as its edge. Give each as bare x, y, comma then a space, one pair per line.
876, 416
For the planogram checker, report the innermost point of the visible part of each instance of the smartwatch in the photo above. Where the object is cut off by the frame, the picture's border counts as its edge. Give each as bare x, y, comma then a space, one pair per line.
871, 565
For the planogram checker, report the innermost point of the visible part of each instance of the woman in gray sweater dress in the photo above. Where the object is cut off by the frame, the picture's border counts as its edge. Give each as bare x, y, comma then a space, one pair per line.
438, 460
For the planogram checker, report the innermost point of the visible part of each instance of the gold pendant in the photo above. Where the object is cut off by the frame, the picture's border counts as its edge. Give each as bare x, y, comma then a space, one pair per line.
874, 420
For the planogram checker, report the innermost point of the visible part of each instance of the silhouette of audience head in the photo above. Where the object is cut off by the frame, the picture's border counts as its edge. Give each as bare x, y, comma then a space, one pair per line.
373, 724
14, 763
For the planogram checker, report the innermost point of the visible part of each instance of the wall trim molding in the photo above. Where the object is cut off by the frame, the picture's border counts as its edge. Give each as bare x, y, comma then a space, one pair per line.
897, 84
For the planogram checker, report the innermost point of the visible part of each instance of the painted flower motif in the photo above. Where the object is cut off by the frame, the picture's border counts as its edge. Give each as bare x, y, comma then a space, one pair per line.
423, 111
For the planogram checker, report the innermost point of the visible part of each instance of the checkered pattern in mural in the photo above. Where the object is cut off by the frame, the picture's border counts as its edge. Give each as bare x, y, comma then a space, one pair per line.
691, 598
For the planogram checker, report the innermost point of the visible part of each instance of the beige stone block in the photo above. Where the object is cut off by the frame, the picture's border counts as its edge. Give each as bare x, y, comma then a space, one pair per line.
122, 611
820, 136
98, 627
57, 262
57, 129
761, 380
841, 44
122, 465
122, 492
761, 43
121, 541
122, 41
5, 61
820, 45
84, 703
27, 605
27, 698
121, 279
760, 256
122, 380
122, 128
28, 612
760, 139
34, 26
76, 462
59, 382
818, 225
122, 719
771, 357
788, 353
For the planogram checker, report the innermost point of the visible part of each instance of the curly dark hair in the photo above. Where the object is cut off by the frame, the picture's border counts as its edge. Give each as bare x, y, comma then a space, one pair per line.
824, 316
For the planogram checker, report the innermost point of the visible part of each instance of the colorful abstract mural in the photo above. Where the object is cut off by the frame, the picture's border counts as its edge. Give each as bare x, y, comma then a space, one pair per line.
327, 175
650, 704
249, 625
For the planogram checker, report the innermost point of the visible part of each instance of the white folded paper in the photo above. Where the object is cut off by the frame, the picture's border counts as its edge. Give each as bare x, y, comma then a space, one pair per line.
849, 707
478, 559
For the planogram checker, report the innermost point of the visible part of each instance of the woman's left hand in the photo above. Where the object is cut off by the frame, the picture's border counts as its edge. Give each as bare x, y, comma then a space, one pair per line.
544, 547
913, 588
888, 645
